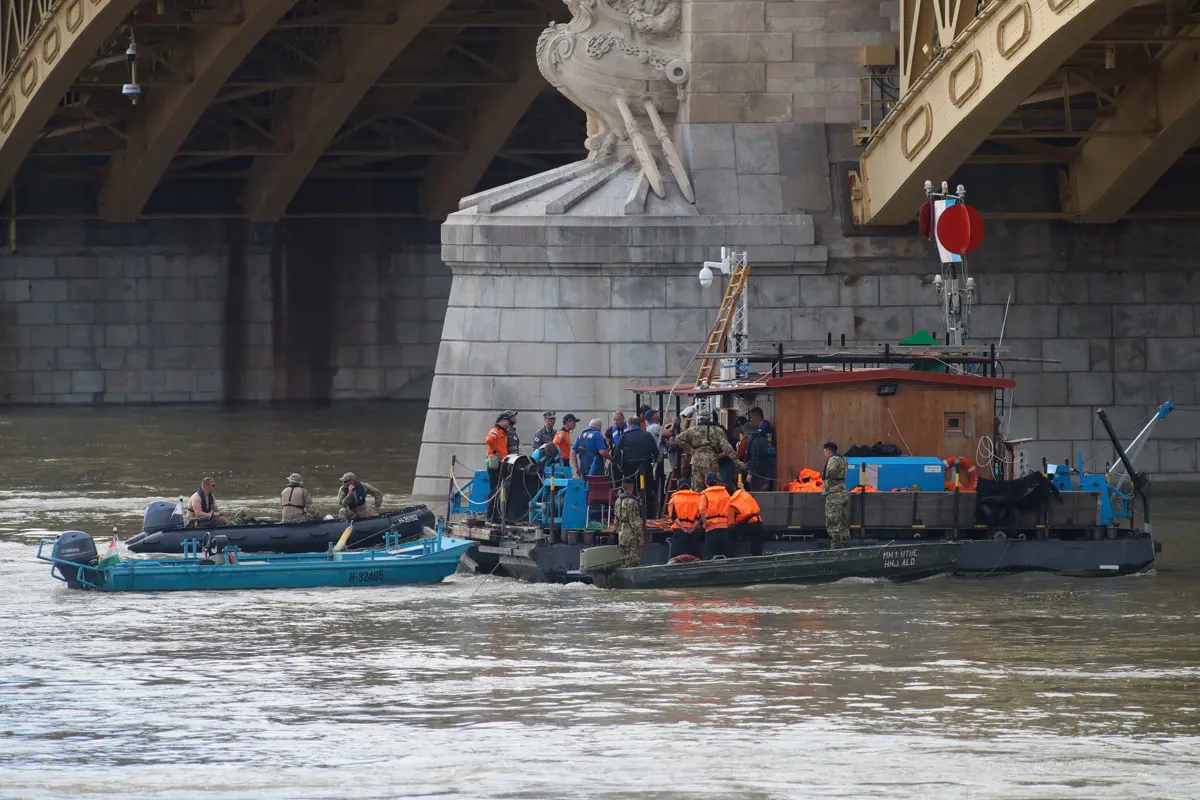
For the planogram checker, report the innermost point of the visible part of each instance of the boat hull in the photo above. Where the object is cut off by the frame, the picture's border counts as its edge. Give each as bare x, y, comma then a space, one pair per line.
298, 537
898, 562
1074, 558
421, 562
537, 560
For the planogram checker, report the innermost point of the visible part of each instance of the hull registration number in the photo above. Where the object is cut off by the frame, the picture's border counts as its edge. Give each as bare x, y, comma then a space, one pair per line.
366, 576
899, 558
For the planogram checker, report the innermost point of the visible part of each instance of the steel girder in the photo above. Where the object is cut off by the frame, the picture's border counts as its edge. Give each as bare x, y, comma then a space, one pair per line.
485, 123
315, 114
1112, 173
995, 63
47, 44
170, 113
919, 21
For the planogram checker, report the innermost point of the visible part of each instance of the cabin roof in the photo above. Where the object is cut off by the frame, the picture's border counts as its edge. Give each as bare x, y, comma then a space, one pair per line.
841, 377
757, 384
826, 376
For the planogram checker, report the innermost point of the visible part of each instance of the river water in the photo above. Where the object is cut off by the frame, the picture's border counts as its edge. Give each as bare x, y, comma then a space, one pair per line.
1013, 687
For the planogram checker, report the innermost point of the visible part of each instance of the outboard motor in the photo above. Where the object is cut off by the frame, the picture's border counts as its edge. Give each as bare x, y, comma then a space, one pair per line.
79, 548
161, 516
213, 546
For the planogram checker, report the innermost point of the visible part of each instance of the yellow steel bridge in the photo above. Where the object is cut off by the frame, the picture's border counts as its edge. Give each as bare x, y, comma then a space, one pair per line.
262, 109
1104, 92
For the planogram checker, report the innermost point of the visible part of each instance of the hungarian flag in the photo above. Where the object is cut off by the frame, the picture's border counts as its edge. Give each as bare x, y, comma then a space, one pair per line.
111, 555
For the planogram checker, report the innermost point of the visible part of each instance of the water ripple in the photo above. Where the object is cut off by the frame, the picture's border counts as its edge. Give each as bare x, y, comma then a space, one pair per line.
1022, 687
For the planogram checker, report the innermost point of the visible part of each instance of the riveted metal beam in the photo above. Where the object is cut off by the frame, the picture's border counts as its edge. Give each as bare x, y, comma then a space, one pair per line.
999, 59
50, 57
314, 115
1110, 174
170, 112
375, 154
485, 123
926, 26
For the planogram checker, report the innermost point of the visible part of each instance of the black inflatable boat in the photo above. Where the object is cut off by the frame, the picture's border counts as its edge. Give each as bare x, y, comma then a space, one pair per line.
163, 531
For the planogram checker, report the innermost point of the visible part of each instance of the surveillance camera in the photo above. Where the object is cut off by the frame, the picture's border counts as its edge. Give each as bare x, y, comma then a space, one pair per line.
133, 91
131, 51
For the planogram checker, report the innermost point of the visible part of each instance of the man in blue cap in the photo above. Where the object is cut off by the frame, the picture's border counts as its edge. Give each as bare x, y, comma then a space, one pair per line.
498, 445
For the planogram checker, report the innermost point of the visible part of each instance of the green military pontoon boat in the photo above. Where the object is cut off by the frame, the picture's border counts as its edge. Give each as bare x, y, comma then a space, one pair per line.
897, 562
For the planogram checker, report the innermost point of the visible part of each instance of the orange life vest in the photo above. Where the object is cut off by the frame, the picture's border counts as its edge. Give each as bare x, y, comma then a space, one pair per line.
716, 515
809, 480
684, 507
745, 507
563, 440
497, 443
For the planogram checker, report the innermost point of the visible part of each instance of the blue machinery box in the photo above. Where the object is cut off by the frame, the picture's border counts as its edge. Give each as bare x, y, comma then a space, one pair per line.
570, 495
897, 472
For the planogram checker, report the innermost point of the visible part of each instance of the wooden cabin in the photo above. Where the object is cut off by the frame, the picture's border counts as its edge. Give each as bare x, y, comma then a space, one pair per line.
922, 413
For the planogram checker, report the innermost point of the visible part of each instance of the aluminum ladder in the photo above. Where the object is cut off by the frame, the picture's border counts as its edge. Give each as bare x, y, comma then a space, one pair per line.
719, 334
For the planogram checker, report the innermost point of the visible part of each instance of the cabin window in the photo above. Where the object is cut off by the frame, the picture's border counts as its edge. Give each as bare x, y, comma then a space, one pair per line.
955, 421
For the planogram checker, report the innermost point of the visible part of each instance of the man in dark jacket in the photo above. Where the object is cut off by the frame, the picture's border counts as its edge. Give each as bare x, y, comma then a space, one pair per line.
760, 459
635, 454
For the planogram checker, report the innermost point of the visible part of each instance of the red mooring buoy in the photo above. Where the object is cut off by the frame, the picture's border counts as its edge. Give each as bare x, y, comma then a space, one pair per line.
960, 229
925, 219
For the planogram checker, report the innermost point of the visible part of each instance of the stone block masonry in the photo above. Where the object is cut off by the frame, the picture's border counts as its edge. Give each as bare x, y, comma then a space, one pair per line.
203, 312
552, 313
1059, 313
582, 355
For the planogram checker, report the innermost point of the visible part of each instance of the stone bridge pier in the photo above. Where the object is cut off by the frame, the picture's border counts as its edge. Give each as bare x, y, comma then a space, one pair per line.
734, 123
238, 199
215, 311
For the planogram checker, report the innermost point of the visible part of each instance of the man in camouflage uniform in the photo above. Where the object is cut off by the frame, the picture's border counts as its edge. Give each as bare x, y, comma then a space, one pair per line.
837, 502
631, 529
352, 498
705, 442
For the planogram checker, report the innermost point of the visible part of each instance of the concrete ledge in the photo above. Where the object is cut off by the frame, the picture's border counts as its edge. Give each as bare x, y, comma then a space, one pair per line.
567, 242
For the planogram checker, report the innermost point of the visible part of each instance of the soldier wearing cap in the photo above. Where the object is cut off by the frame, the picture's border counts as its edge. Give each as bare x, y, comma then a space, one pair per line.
545, 434
352, 498
562, 440
296, 501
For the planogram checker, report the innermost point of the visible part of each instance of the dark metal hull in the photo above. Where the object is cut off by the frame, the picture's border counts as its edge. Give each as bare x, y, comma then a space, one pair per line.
299, 537
1076, 558
1065, 537
898, 562
538, 561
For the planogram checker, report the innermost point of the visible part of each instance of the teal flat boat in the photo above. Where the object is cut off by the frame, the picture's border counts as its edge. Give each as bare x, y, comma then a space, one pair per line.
211, 564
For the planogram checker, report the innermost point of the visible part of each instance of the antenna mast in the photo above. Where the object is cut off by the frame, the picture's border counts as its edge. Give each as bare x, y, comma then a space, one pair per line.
954, 285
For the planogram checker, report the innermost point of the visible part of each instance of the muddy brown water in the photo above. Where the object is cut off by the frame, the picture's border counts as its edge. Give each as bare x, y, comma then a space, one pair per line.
1015, 687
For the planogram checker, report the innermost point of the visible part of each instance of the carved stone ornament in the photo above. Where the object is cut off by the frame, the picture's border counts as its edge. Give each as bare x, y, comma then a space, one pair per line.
620, 61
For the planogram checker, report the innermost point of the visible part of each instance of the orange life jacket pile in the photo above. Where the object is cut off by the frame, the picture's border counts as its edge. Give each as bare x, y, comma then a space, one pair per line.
809, 480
